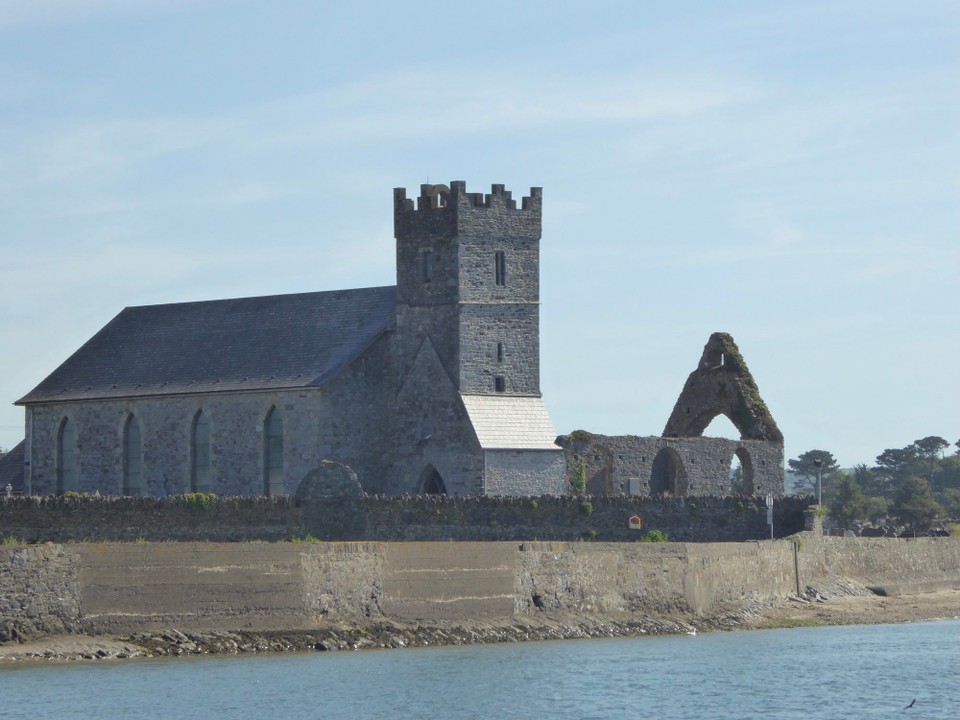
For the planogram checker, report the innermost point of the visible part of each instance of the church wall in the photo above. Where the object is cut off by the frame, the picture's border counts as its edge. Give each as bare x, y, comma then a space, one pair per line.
429, 426
236, 441
525, 472
355, 427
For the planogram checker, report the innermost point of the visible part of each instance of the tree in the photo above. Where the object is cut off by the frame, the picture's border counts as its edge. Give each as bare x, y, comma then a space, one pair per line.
846, 503
929, 454
913, 504
895, 464
951, 503
805, 469
867, 479
931, 446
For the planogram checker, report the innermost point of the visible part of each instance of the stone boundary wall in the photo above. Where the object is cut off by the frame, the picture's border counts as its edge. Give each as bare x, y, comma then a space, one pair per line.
382, 518
118, 588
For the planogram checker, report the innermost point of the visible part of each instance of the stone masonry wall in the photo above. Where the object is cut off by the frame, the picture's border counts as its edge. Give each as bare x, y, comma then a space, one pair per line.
236, 441
39, 594
522, 474
629, 465
380, 518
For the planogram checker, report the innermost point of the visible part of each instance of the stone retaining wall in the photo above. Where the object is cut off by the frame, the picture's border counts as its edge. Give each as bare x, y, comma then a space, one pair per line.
128, 587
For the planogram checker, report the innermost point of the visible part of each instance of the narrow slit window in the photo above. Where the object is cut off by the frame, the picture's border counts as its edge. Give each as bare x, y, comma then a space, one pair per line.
200, 454
500, 384
426, 265
499, 352
273, 481
500, 265
132, 458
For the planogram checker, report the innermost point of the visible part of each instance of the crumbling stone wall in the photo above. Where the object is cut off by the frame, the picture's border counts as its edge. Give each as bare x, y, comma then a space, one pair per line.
682, 467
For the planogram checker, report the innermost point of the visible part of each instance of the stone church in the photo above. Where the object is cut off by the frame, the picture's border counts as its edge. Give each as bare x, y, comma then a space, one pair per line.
428, 386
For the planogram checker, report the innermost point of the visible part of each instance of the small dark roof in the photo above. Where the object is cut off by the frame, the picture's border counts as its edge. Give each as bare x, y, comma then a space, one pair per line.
260, 343
11, 468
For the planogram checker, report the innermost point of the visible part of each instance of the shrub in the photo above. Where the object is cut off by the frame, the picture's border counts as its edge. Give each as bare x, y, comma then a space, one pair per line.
199, 502
656, 536
586, 507
578, 484
307, 539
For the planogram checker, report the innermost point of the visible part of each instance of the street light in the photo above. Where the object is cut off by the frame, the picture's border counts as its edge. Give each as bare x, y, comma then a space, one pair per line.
818, 464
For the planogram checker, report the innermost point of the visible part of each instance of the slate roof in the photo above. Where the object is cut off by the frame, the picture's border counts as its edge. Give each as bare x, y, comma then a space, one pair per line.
259, 343
11, 468
505, 422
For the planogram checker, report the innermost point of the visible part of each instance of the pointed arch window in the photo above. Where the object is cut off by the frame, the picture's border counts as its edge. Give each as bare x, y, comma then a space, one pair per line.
200, 453
66, 458
132, 457
273, 454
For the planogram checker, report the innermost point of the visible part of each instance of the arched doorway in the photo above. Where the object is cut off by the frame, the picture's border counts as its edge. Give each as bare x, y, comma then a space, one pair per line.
668, 476
431, 483
741, 473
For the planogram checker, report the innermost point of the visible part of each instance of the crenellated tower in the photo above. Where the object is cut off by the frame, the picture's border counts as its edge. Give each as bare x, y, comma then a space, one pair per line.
468, 278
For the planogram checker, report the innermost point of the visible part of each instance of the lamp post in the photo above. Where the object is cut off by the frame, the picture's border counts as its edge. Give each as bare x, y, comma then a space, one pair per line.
818, 464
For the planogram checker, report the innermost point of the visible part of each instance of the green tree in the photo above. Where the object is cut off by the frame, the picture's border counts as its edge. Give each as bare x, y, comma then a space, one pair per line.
947, 474
878, 507
950, 500
867, 479
930, 455
914, 505
804, 467
894, 465
846, 502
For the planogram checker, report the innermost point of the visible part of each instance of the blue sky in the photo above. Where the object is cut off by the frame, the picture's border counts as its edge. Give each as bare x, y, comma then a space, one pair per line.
786, 172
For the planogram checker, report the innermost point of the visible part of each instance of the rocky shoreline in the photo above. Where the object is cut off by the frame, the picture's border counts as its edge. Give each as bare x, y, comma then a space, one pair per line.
813, 609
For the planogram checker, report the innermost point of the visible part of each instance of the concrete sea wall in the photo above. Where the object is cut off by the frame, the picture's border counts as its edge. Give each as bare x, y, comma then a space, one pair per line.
117, 588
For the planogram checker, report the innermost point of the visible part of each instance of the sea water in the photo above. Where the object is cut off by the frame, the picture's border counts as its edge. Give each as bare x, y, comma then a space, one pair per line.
845, 672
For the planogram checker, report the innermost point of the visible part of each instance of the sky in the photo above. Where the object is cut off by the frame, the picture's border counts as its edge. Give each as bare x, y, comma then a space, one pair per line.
787, 172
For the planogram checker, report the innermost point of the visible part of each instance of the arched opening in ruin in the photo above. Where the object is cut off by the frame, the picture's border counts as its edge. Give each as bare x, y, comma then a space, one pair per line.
722, 427
741, 473
431, 483
668, 476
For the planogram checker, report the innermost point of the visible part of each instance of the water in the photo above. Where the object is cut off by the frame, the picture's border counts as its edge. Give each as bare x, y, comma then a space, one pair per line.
848, 672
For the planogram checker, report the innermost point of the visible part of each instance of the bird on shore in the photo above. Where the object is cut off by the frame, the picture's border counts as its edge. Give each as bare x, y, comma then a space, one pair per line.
911, 704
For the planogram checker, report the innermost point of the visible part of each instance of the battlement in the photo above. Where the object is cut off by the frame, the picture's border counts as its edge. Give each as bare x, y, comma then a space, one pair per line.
442, 197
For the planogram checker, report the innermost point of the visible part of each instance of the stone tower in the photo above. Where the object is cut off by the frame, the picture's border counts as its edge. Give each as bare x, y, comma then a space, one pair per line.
468, 282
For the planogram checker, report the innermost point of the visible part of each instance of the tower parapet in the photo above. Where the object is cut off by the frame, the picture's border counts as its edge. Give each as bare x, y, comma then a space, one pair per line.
439, 208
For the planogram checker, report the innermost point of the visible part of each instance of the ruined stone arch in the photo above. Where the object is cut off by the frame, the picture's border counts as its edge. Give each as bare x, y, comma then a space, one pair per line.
668, 476
722, 385
431, 482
